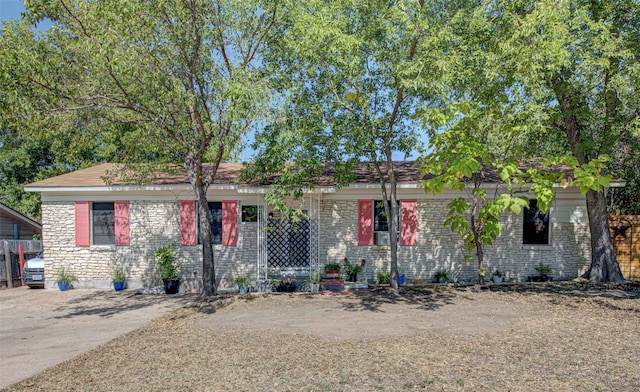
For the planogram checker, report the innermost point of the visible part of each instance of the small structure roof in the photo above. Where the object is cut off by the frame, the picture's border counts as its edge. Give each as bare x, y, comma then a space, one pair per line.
12, 214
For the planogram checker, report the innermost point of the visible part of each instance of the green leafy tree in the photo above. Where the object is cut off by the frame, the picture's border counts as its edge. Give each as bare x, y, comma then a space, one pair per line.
353, 74
495, 180
581, 61
559, 78
185, 73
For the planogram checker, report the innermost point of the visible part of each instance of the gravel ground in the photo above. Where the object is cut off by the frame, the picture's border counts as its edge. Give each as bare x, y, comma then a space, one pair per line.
544, 337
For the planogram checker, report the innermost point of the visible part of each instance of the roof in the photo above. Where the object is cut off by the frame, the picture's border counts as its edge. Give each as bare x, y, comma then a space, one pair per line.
97, 176
228, 174
15, 215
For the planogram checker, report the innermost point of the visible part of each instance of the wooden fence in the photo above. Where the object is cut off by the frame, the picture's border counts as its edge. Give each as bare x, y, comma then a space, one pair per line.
625, 232
10, 260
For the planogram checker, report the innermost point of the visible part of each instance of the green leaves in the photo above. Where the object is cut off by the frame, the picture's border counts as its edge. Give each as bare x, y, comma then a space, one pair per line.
588, 176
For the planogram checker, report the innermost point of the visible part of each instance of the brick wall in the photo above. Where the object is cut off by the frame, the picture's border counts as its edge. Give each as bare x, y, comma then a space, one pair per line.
440, 248
152, 224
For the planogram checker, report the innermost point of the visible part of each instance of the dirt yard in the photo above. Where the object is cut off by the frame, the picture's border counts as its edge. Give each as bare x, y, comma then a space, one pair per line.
544, 337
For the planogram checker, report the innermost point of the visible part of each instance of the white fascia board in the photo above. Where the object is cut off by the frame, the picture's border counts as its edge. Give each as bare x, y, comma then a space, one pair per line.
125, 188
116, 188
265, 189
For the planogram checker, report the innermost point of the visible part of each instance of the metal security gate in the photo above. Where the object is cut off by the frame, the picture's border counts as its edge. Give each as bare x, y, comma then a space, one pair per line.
291, 247
288, 244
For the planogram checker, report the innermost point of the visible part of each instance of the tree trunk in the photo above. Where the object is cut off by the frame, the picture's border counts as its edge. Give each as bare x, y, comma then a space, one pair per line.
476, 229
604, 264
209, 286
393, 233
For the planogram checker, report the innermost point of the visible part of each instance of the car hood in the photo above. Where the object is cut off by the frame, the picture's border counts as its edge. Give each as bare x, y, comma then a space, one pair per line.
38, 262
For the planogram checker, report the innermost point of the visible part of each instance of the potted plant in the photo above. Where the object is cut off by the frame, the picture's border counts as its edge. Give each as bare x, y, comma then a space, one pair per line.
496, 277
352, 270
243, 284
314, 282
287, 286
118, 278
168, 268
64, 279
332, 270
400, 275
544, 271
384, 278
441, 276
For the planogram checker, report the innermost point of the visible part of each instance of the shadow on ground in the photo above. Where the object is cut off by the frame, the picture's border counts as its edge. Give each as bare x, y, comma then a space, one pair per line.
109, 303
422, 298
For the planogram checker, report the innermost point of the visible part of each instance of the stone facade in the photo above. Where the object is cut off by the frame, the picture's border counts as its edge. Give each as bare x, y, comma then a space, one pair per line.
439, 248
156, 222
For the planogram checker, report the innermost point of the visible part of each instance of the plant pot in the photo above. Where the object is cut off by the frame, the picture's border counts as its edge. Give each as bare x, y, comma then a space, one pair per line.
286, 288
315, 288
401, 279
242, 288
496, 278
63, 286
171, 286
442, 280
353, 277
118, 286
332, 274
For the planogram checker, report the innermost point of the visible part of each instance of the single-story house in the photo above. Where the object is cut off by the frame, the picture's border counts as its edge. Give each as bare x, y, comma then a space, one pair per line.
91, 226
16, 226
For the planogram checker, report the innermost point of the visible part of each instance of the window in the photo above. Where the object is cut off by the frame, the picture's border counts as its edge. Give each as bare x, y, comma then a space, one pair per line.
535, 225
215, 209
223, 222
381, 223
249, 214
373, 227
103, 224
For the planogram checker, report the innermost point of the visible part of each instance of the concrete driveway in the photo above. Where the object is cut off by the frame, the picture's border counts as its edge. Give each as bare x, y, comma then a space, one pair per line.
41, 328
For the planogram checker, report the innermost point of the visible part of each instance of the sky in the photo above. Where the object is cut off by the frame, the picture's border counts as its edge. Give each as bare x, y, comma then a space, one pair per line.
11, 9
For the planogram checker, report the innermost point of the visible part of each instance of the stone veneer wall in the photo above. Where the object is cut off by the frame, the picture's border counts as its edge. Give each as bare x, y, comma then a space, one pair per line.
440, 248
152, 224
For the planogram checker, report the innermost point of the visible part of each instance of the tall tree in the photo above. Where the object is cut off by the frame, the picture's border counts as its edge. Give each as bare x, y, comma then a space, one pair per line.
186, 73
563, 77
344, 65
580, 59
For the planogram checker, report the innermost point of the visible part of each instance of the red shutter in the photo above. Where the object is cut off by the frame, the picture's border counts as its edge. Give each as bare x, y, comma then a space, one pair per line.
121, 214
82, 223
409, 222
187, 222
229, 223
365, 222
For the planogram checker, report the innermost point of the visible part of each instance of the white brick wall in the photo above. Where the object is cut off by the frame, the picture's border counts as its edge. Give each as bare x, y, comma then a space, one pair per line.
440, 248
154, 223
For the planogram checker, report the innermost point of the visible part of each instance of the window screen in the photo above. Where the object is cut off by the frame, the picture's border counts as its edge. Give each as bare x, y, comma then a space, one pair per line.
103, 222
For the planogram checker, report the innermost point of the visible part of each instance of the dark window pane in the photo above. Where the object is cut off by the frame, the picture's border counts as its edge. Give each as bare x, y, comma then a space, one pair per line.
249, 213
380, 222
103, 224
215, 209
535, 225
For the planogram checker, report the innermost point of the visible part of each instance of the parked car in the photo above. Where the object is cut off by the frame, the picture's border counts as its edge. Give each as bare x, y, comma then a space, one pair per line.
33, 272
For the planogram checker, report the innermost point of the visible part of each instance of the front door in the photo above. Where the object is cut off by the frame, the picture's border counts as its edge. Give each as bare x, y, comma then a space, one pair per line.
288, 245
